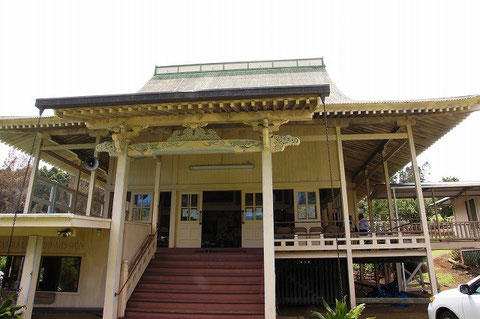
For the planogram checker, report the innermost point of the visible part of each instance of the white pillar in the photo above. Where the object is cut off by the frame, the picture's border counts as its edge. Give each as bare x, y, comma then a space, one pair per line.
31, 267
33, 174
91, 183
423, 213
156, 194
346, 219
115, 244
268, 236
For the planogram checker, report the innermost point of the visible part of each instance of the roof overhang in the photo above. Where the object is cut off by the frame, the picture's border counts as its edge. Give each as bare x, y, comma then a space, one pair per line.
408, 190
48, 224
176, 97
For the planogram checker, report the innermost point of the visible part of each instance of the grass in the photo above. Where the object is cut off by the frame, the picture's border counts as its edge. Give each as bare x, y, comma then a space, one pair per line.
437, 253
443, 278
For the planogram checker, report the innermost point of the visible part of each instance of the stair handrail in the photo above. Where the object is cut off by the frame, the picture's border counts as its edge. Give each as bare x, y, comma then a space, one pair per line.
136, 260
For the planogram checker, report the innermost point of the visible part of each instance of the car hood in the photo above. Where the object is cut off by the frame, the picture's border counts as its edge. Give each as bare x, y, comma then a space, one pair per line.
449, 293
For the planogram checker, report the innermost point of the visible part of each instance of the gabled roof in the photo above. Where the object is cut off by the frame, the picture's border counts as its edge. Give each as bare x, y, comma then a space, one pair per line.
238, 75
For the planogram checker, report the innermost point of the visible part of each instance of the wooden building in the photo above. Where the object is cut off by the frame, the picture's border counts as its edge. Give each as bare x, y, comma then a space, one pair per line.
244, 174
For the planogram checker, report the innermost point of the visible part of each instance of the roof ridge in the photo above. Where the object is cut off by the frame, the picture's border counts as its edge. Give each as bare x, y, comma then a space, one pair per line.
234, 66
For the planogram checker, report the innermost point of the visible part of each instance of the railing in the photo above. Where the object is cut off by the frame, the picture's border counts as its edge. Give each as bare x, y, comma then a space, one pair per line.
51, 197
330, 235
454, 231
131, 274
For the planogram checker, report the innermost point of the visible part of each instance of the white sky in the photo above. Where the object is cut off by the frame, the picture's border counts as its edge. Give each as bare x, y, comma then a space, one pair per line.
372, 49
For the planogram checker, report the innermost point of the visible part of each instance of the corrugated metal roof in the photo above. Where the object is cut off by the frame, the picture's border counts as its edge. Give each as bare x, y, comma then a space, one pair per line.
245, 78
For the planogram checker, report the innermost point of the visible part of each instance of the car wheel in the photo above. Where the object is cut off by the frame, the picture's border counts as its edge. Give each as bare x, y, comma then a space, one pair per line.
447, 314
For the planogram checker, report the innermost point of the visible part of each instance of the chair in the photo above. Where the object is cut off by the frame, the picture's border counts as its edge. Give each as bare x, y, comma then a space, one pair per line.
315, 233
301, 233
315, 230
284, 230
299, 230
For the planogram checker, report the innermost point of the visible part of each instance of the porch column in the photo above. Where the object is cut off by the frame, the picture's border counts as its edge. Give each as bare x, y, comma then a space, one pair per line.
33, 174
31, 267
156, 194
115, 244
346, 219
268, 236
387, 186
91, 183
423, 213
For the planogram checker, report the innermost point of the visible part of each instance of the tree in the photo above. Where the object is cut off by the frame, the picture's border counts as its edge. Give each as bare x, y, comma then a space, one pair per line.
406, 174
12, 173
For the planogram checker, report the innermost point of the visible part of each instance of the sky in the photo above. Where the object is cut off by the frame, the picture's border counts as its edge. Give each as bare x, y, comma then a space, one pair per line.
373, 50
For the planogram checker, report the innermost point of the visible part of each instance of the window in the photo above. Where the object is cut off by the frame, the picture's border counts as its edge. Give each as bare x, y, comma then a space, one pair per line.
141, 207
189, 207
471, 210
253, 206
307, 205
59, 274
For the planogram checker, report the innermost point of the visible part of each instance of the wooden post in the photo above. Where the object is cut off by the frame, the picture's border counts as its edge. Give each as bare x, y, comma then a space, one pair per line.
33, 175
436, 215
355, 202
115, 244
156, 194
268, 232
75, 195
173, 216
346, 219
91, 184
122, 298
388, 187
423, 213
369, 204
31, 267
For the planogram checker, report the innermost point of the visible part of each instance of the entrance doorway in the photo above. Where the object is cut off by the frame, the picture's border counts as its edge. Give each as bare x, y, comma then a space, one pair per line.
221, 219
163, 224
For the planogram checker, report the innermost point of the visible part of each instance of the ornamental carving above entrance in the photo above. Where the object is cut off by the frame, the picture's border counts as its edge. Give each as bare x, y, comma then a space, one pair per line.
195, 139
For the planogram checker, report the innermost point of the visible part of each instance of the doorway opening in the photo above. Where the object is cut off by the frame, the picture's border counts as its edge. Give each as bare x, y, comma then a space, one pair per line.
163, 225
222, 219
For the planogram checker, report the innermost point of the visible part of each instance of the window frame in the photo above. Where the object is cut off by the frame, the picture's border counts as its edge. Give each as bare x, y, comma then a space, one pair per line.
199, 206
132, 203
317, 204
254, 206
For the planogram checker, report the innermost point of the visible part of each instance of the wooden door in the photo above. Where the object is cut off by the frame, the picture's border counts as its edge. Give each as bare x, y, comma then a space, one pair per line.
189, 220
252, 219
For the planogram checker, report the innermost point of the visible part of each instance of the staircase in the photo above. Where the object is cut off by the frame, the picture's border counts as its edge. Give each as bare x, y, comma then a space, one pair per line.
200, 283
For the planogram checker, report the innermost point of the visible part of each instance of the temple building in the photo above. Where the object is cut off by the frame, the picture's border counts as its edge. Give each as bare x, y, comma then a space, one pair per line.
223, 190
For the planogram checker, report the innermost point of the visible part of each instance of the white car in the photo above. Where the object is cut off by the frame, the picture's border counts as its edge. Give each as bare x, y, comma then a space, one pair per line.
460, 303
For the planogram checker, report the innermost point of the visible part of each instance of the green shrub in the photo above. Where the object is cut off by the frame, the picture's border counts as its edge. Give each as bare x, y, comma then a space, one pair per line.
341, 311
8, 309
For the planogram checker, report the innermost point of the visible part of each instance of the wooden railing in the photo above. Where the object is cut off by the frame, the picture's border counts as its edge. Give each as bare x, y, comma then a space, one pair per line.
384, 234
330, 235
131, 273
454, 231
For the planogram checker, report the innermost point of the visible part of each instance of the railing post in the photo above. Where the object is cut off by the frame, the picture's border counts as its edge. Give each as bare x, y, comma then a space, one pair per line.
122, 299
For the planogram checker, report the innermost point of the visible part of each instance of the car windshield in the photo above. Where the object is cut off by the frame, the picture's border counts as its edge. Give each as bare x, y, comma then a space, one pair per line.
473, 281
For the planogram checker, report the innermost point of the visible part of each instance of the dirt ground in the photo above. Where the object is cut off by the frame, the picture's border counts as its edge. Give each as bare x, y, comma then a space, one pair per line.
449, 277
